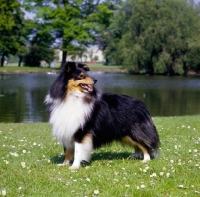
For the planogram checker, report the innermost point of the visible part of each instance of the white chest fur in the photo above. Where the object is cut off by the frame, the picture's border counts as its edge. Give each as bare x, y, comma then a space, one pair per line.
67, 117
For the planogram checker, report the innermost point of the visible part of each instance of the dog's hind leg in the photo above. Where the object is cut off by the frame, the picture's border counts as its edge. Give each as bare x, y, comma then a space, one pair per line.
83, 151
137, 155
129, 141
68, 157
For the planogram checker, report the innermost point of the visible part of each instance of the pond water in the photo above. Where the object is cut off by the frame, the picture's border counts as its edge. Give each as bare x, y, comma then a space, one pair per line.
22, 96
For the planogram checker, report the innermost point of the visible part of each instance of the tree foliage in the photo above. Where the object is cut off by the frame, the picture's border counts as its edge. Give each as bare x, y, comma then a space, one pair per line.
73, 24
155, 36
11, 28
40, 50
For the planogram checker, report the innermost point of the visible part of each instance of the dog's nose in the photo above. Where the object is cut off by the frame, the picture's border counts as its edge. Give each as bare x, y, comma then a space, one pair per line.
95, 80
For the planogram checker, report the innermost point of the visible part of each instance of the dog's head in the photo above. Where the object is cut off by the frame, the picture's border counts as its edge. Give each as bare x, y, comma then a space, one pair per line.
73, 79
78, 79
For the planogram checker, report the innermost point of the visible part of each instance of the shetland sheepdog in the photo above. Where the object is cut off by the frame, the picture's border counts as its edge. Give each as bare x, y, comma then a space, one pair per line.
82, 119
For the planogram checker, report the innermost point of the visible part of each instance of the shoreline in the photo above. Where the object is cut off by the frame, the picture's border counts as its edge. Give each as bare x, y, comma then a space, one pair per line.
92, 70
106, 70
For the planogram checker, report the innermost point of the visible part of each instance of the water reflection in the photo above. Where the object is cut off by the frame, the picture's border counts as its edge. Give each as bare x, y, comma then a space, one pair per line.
22, 96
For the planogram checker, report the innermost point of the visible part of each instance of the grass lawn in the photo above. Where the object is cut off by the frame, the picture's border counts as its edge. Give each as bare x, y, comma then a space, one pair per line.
29, 155
13, 68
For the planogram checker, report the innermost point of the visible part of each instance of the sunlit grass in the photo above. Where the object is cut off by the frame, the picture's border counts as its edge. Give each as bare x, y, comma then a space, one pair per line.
29, 155
13, 67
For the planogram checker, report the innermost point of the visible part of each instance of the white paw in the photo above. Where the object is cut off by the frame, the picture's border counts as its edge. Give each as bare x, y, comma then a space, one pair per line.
144, 161
73, 167
61, 164
146, 158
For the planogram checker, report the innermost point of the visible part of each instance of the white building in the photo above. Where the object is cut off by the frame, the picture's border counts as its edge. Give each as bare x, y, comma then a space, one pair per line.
93, 54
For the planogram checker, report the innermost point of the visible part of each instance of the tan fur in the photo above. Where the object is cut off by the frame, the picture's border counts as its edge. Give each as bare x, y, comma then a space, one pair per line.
74, 85
130, 142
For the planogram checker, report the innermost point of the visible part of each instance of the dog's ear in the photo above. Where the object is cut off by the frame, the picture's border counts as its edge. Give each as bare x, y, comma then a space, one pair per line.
83, 66
70, 66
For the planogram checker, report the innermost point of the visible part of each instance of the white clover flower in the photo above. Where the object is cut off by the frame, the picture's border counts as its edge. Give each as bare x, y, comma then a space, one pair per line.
167, 175
147, 167
171, 161
142, 186
195, 150
24, 151
161, 173
88, 179
23, 164
127, 185
180, 186
138, 187
6, 162
96, 192
14, 154
34, 144
3, 192
153, 175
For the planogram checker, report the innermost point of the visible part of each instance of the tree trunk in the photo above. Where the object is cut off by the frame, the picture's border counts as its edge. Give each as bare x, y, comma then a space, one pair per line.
107, 61
171, 69
64, 57
2, 59
20, 60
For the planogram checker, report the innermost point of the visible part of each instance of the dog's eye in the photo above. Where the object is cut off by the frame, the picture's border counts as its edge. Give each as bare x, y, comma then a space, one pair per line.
81, 76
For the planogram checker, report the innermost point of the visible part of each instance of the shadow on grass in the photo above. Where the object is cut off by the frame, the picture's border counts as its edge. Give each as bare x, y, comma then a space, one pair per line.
58, 159
110, 156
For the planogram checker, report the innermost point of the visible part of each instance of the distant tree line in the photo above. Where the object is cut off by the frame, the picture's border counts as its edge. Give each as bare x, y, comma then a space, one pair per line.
144, 36
155, 36
70, 26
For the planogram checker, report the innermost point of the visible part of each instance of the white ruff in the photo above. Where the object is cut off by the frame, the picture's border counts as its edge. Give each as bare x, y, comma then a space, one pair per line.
67, 117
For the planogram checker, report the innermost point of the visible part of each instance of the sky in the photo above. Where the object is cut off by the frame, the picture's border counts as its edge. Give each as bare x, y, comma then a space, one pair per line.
30, 16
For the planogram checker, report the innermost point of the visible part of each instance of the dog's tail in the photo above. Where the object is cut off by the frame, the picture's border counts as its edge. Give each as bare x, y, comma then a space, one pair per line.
151, 141
154, 144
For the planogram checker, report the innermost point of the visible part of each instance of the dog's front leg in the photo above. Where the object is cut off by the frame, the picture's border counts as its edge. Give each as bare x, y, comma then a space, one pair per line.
83, 151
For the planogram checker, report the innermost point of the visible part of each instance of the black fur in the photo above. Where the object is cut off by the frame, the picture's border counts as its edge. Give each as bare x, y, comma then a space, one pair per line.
116, 116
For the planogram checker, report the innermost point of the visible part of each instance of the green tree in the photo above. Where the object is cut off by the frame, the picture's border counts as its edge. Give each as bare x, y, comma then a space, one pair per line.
11, 29
155, 36
40, 45
74, 24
